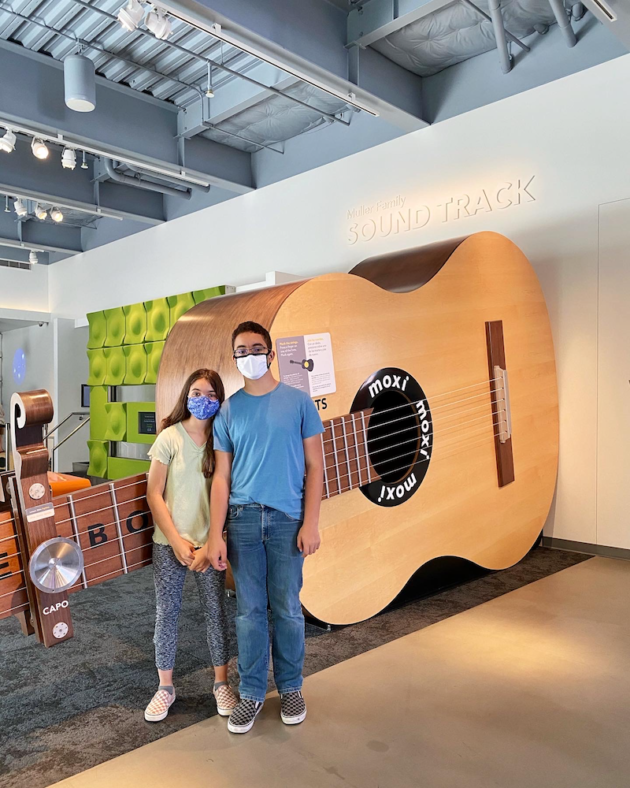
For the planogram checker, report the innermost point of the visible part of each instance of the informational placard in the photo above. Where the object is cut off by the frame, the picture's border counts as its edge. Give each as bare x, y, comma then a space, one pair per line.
306, 363
146, 423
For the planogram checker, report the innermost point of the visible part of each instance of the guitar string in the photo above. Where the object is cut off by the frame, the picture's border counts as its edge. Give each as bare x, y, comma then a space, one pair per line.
82, 498
410, 415
17, 607
416, 438
16, 590
406, 429
345, 448
406, 454
404, 467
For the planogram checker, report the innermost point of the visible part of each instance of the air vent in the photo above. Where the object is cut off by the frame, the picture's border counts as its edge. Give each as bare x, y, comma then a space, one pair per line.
13, 264
607, 12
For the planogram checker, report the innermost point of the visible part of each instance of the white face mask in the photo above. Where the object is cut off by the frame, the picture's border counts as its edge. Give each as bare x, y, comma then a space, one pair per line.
252, 367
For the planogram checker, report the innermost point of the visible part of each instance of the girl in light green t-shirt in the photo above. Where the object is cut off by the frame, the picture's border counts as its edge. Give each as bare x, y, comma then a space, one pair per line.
178, 492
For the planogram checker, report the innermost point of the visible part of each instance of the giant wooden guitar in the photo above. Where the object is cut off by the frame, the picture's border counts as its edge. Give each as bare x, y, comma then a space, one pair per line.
441, 438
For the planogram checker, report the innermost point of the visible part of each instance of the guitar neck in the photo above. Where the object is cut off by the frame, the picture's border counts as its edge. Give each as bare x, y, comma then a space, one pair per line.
347, 462
113, 526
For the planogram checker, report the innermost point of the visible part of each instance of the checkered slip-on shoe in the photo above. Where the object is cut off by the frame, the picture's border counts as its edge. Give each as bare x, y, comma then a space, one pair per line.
292, 708
243, 717
158, 708
225, 698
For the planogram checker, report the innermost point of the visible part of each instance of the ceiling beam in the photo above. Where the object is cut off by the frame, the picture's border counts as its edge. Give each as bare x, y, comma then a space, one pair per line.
121, 127
310, 43
22, 175
615, 14
379, 18
17, 254
39, 236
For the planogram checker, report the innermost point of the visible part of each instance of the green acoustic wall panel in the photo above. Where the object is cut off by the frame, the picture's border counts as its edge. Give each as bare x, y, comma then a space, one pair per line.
115, 358
135, 324
98, 367
135, 365
98, 329
98, 414
158, 320
115, 327
98, 458
134, 409
179, 305
120, 467
154, 355
209, 292
116, 421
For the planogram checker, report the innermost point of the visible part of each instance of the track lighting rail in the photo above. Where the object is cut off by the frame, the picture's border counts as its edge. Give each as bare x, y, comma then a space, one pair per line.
238, 74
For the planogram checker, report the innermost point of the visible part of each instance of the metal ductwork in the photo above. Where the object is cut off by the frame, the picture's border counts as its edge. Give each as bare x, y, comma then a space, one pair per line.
140, 182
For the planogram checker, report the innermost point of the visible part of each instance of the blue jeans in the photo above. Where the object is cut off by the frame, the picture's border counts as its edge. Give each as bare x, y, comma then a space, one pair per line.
267, 567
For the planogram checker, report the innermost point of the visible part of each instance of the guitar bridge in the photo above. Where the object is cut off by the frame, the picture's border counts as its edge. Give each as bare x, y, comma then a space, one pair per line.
502, 399
500, 393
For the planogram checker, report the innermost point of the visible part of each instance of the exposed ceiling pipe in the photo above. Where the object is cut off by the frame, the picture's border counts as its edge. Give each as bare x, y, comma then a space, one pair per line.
564, 23
509, 35
494, 6
140, 183
147, 174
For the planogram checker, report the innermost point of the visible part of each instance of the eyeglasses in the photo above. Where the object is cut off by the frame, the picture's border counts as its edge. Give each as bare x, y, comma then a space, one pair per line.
256, 350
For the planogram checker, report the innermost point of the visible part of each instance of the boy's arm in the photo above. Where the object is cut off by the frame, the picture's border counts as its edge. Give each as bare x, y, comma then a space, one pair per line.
308, 540
214, 551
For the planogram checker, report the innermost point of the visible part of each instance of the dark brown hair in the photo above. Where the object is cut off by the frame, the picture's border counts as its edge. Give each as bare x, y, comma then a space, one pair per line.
180, 412
252, 328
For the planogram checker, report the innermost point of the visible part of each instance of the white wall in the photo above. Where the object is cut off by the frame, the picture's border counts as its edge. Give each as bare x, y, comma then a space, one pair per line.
71, 370
37, 342
570, 135
21, 289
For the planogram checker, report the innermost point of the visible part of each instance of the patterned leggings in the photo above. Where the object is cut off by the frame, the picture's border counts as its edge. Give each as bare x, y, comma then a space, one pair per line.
169, 576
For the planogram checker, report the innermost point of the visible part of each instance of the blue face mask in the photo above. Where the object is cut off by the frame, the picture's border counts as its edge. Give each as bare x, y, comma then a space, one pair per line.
203, 408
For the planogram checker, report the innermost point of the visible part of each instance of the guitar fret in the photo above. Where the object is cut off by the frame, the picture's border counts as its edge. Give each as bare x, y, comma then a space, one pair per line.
334, 443
356, 449
123, 557
367, 456
73, 517
345, 446
325, 465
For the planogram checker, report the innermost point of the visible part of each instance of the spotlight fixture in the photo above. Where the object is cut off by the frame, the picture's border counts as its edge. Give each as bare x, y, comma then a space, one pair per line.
7, 142
20, 208
84, 165
158, 23
131, 15
40, 212
68, 159
56, 215
32, 258
39, 148
6, 205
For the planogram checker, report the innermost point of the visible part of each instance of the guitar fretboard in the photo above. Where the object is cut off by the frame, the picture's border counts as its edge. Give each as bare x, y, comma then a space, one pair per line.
346, 458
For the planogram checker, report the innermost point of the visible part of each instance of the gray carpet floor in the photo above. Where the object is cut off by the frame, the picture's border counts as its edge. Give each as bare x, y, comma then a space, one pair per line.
66, 709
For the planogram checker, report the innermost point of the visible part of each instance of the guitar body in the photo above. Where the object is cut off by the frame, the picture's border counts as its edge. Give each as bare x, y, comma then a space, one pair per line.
451, 503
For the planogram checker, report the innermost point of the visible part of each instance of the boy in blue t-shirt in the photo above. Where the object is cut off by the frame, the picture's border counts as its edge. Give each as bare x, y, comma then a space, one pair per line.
267, 488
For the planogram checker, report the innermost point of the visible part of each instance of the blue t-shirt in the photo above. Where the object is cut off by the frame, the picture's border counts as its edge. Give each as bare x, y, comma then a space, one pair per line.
264, 435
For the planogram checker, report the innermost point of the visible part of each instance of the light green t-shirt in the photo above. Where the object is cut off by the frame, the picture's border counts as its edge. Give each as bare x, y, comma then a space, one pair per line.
187, 492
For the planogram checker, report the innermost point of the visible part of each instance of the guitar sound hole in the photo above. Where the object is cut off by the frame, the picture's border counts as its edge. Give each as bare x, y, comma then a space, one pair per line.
393, 436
